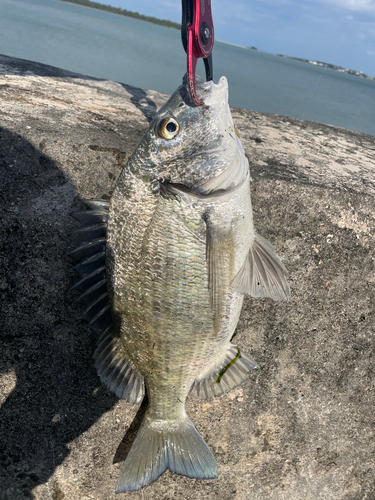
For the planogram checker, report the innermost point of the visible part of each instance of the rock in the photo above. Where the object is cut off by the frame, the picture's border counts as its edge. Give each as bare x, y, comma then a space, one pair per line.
303, 425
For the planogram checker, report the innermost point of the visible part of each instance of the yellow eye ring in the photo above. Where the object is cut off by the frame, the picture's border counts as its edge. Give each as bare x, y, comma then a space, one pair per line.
168, 128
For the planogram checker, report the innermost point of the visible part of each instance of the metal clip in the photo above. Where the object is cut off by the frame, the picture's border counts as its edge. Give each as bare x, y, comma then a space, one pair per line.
197, 32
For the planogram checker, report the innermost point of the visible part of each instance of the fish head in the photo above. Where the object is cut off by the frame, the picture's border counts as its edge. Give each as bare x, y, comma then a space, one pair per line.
196, 147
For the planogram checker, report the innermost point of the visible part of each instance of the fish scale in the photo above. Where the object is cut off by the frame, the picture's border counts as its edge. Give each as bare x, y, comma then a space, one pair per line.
164, 264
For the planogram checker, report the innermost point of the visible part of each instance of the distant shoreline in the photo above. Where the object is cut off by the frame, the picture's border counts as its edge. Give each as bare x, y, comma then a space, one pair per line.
325, 65
124, 12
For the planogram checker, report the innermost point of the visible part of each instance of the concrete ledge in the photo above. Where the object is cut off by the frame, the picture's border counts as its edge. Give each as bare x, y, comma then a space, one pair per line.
301, 427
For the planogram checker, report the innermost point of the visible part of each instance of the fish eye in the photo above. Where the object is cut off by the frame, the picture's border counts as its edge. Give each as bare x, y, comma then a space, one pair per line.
168, 128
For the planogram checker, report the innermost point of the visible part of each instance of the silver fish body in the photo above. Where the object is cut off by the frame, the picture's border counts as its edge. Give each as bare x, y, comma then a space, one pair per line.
181, 252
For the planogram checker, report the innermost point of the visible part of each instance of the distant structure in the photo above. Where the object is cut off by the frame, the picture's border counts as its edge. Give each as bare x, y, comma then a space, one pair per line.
340, 69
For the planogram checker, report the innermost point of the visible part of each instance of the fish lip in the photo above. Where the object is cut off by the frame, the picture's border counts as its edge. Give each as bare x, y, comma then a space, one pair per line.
209, 92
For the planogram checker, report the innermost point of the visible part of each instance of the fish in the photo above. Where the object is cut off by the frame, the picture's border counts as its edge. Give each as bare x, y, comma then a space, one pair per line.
165, 265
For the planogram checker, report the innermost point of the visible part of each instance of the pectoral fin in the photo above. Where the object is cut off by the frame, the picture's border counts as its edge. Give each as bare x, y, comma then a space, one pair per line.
262, 273
220, 262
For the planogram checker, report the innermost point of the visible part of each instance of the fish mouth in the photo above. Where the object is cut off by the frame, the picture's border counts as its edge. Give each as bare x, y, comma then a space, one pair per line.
211, 93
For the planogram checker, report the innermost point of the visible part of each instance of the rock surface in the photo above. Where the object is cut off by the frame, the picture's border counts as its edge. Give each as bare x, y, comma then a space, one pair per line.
302, 426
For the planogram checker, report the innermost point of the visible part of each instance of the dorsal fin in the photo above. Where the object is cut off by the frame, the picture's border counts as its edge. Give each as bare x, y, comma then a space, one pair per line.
114, 368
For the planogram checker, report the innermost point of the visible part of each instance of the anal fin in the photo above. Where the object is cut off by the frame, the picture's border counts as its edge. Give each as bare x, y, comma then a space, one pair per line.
223, 374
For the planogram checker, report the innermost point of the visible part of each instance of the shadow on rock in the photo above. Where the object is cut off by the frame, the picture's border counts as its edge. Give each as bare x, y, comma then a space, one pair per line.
128, 440
141, 101
46, 350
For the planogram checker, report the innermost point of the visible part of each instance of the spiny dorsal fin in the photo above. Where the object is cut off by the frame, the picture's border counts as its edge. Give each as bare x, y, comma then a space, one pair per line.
89, 265
114, 368
97, 204
94, 277
86, 250
89, 233
89, 217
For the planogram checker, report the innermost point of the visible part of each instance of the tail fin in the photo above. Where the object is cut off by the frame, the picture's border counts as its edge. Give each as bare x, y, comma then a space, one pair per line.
161, 446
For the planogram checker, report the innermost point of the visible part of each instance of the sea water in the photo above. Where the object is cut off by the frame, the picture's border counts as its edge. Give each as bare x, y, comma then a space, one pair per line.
110, 46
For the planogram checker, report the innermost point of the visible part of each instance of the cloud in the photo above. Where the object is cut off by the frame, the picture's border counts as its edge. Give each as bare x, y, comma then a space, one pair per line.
354, 5
370, 53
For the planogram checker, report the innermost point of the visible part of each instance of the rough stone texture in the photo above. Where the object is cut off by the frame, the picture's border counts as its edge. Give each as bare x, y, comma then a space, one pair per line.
302, 426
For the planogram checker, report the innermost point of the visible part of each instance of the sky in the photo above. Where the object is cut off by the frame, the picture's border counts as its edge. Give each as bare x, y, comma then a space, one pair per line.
340, 32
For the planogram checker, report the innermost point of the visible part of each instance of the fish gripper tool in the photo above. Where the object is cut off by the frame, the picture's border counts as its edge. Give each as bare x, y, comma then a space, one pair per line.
197, 33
